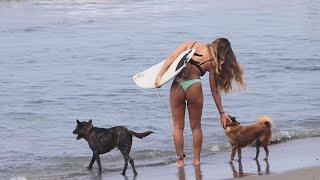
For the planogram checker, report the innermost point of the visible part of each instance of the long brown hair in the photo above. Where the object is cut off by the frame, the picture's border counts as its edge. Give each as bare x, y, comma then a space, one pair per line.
225, 65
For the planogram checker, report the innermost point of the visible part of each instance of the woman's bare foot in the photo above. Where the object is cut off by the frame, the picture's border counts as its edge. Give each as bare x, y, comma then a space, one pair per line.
196, 159
180, 162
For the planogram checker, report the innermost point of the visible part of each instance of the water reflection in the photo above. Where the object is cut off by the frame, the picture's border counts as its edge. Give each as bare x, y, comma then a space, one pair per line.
239, 172
197, 173
96, 177
104, 174
181, 173
129, 178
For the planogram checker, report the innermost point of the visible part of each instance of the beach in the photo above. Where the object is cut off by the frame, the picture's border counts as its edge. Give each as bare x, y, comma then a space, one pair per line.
309, 173
75, 59
297, 159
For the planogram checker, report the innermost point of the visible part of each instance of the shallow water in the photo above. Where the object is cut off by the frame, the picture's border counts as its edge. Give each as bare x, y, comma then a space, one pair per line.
63, 60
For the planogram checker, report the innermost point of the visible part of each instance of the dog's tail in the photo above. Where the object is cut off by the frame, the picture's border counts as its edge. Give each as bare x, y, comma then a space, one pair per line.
266, 120
141, 135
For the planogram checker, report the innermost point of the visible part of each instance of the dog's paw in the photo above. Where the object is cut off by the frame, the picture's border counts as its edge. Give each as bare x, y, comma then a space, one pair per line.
89, 168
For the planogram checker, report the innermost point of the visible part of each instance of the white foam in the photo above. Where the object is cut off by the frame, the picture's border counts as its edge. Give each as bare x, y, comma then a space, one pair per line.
215, 148
19, 178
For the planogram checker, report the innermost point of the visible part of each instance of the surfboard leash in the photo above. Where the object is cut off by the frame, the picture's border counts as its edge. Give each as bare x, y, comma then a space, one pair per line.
163, 107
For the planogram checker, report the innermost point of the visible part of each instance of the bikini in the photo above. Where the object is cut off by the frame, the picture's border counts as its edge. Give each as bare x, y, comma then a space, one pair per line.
185, 84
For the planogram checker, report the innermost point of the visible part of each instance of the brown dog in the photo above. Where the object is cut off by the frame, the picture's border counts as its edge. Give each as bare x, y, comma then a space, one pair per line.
240, 136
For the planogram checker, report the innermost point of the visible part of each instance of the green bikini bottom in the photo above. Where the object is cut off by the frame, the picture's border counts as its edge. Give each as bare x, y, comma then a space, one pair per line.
185, 84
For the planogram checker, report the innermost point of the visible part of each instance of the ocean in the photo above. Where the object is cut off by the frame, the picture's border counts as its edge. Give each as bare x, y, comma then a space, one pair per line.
74, 59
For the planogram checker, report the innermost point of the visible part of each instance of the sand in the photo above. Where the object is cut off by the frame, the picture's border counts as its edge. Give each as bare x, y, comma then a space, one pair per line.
298, 174
296, 159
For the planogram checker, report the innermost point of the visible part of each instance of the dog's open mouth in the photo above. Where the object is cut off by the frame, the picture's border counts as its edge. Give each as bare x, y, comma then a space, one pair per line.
78, 137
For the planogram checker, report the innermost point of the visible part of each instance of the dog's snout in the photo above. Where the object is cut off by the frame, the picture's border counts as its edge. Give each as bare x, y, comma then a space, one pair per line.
75, 131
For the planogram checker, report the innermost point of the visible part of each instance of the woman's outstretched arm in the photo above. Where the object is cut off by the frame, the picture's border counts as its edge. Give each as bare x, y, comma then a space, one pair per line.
217, 98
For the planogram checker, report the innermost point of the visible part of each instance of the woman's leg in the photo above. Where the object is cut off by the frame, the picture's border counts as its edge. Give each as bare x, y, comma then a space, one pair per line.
178, 105
195, 103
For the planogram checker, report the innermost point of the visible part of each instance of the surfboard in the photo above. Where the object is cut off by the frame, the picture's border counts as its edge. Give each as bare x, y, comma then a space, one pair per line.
146, 79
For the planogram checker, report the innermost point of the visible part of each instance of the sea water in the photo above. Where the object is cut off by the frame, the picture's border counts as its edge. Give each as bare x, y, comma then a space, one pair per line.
74, 59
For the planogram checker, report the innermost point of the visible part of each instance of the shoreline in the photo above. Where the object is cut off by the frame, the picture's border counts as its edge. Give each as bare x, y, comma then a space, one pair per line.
285, 160
291, 160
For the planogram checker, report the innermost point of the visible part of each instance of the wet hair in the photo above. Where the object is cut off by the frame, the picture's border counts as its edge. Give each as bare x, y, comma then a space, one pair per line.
226, 67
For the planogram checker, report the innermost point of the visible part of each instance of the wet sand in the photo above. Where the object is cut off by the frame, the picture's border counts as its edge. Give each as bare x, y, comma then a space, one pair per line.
295, 159
298, 174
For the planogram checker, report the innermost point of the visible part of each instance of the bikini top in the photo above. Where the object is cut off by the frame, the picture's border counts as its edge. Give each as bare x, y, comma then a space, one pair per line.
196, 63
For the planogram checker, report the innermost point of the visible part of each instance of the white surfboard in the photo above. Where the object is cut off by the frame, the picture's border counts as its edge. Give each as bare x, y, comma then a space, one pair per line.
147, 78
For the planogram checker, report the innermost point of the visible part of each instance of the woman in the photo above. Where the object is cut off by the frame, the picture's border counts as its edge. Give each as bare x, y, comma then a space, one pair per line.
219, 60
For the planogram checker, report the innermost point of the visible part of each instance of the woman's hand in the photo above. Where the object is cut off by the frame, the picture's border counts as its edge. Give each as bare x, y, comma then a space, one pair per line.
157, 83
224, 118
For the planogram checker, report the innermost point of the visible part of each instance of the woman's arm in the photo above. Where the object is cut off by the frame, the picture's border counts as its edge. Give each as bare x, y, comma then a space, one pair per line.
217, 98
169, 61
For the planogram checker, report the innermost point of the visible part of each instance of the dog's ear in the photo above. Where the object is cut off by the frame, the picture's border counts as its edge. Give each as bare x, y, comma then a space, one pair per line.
90, 121
235, 121
78, 122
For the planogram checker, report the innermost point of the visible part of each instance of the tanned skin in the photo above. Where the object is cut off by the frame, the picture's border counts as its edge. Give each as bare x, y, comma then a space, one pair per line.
192, 99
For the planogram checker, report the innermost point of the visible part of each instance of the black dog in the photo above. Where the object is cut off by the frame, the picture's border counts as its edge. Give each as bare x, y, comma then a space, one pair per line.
103, 140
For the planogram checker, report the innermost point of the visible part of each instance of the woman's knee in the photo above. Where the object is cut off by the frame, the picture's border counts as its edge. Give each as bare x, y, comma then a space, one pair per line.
178, 127
195, 126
